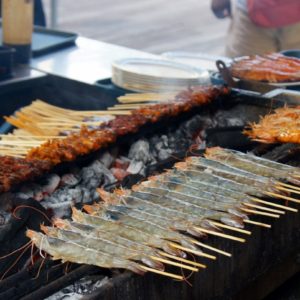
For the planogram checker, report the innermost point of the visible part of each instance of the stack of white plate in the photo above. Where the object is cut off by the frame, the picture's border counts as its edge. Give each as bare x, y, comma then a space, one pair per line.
156, 75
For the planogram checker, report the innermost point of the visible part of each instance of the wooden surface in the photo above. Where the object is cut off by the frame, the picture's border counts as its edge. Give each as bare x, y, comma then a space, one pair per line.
150, 25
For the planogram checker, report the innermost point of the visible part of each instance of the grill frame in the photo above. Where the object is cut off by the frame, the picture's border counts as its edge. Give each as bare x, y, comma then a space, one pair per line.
224, 279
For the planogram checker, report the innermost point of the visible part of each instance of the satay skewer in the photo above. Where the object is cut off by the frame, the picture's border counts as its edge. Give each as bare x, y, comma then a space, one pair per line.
274, 205
293, 187
211, 248
230, 227
265, 208
255, 212
171, 275
173, 263
219, 234
257, 223
288, 190
198, 253
194, 263
282, 197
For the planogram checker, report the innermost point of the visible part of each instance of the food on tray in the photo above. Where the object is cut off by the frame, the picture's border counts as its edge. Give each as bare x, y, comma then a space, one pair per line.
272, 68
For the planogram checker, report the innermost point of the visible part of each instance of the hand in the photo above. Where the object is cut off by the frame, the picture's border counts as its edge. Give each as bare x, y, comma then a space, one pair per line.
221, 8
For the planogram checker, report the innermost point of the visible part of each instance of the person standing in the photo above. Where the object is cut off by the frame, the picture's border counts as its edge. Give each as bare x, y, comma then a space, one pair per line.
259, 26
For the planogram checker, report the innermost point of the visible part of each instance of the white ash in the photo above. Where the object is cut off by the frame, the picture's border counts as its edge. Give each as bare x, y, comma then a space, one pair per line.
135, 167
78, 186
140, 151
107, 159
69, 179
79, 289
32, 190
51, 185
239, 115
5, 217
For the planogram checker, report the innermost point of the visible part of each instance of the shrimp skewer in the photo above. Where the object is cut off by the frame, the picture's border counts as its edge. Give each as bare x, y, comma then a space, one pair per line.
216, 167
162, 208
105, 246
129, 232
261, 168
95, 232
142, 212
259, 160
72, 252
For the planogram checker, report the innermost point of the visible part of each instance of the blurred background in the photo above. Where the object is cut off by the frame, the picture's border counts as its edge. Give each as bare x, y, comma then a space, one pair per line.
154, 26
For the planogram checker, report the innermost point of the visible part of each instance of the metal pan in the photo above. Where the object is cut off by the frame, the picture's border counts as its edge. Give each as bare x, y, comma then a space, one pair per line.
261, 87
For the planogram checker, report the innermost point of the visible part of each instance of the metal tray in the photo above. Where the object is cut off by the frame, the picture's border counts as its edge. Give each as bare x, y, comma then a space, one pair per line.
45, 40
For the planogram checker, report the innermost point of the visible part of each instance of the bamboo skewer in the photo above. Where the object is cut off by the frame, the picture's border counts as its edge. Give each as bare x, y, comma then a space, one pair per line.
230, 227
211, 248
198, 253
182, 259
125, 107
172, 263
255, 212
226, 236
265, 208
257, 223
275, 205
282, 197
171, 275
288, 190
293, 187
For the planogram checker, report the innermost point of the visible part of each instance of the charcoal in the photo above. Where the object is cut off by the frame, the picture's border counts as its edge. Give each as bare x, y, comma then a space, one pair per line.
95, 196
27, 190
52, 182
86, 195
159, 145
107, 159
119, 174
135, 167
33, 190
76, 194
246, 114
87, 173
69, 179
165, 141
154, 139
5, 217
164, 154
140, 151
78, 289
283, 152
22, 195
109, 178
7, 201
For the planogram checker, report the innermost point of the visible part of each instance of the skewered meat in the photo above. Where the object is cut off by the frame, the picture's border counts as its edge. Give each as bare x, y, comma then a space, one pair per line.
272, 68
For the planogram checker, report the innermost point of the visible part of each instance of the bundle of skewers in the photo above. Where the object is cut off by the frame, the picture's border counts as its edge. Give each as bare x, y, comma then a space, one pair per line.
162, 220
282, 126
40, 121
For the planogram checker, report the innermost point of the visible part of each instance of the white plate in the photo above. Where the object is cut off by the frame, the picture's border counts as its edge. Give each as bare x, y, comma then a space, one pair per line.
156, 75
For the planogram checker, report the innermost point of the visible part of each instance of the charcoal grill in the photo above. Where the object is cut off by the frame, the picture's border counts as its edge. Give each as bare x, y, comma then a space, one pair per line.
268, 259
